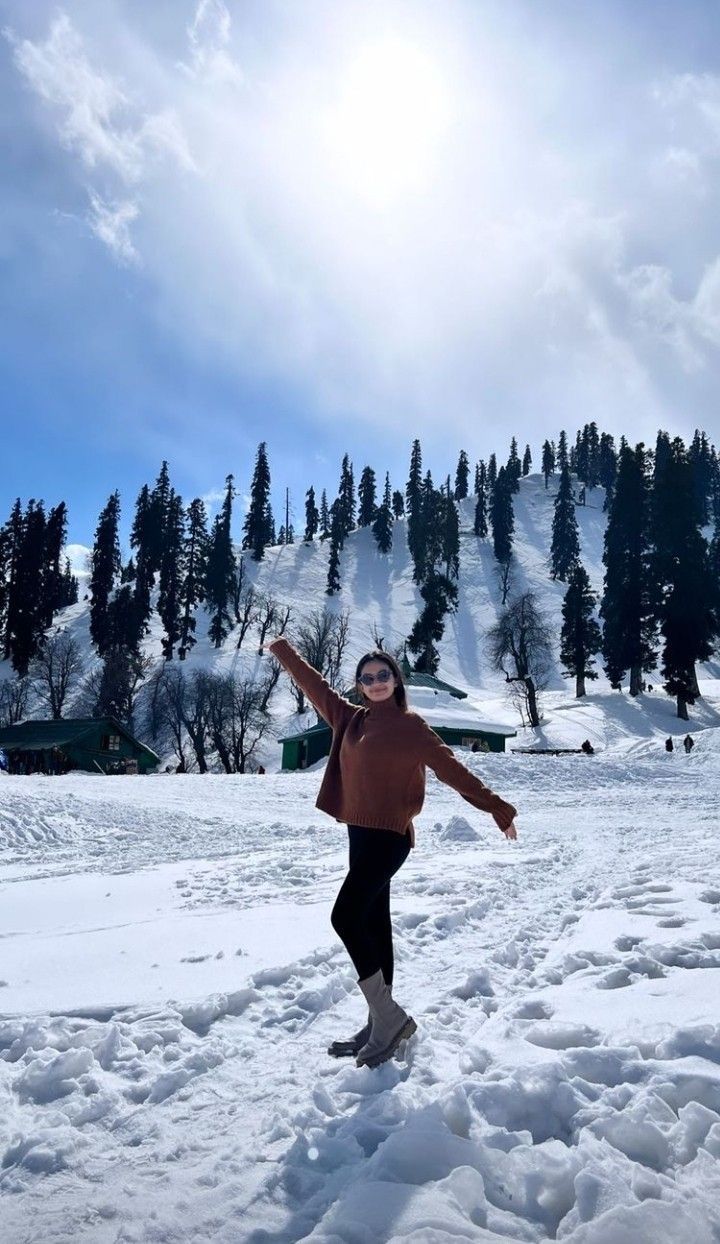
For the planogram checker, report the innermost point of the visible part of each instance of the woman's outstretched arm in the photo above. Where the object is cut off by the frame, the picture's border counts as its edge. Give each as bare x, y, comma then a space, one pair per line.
333, 707
443, 762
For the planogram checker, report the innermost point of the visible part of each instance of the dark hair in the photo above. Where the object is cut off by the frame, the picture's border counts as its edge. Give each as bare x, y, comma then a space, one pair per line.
378, 655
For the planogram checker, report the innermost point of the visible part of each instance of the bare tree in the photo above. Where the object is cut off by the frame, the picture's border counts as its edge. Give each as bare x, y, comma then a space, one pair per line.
321, 640
177, 712
56, 671
272, 614
113, 687
272, 673
505, 575
397, 651
237, 723
247, 612
519, 646
14, 698
163, 697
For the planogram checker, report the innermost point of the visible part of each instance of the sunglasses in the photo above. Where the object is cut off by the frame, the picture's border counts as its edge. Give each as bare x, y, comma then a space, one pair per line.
367, 680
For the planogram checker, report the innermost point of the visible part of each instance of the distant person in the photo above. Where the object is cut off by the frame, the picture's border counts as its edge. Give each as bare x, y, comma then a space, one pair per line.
587, 748
260, 769
375, 781
669, 745
688, 743
475, 746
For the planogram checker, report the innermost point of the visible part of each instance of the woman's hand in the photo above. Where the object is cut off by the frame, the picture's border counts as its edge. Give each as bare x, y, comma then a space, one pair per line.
510, 832
504, 817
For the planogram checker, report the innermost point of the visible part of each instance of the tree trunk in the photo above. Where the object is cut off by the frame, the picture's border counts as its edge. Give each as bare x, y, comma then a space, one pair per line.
682, 707
531, 702
579, 685
636, 680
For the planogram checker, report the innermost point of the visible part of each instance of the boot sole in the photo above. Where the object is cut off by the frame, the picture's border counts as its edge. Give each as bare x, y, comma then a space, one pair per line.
407, 1030
344, 1049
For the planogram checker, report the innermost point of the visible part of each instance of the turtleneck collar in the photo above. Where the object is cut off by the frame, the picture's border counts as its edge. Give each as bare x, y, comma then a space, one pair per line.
381, 708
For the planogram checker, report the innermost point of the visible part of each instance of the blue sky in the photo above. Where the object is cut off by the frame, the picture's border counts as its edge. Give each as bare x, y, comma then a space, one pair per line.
338, 226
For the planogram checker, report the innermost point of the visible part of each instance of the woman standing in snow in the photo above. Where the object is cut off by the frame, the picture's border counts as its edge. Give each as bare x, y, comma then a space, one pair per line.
374, 781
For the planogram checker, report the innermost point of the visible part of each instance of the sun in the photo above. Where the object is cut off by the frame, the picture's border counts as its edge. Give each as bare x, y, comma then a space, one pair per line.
391, 111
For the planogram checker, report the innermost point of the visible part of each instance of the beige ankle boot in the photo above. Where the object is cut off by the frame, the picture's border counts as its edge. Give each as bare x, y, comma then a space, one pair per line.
390, 1023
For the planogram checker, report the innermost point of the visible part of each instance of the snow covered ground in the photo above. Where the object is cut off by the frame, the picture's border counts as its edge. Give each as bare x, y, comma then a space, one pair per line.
169, 983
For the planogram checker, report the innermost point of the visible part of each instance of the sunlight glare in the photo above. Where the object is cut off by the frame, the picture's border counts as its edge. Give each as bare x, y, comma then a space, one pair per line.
392, 110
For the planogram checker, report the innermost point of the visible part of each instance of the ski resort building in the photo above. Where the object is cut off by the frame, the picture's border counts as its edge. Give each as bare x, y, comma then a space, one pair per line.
95, 744
433, 699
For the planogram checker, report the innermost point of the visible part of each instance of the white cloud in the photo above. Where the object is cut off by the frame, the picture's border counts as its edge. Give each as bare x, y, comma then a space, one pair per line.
209, 37
530, 262
100, 121
111, 224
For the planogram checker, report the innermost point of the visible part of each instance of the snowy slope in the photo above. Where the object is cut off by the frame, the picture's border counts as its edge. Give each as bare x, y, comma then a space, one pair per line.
378, 591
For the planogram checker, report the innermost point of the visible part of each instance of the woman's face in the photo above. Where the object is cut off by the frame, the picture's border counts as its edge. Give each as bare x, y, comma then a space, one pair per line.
377, 691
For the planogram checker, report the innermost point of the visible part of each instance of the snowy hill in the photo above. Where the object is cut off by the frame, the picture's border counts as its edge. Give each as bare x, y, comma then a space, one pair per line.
378, 591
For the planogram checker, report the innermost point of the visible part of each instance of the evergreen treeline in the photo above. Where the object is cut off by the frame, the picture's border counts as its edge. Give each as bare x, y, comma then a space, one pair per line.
659, 605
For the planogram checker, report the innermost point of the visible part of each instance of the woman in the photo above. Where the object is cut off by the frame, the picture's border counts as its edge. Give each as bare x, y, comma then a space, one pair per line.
374, 780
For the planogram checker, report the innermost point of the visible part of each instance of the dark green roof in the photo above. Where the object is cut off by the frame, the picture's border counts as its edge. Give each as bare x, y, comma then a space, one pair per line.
302, 734
414, 678
31, 736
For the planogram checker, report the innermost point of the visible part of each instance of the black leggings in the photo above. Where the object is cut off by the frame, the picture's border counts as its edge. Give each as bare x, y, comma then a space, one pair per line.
361, 915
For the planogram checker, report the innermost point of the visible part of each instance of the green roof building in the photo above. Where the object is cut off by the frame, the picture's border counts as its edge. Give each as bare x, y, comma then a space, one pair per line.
93, 744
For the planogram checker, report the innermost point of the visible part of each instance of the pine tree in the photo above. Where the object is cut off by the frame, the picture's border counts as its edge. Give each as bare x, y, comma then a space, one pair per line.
104, 573
502, 516
312, 517
413, 496
52, 581
492, 471
382, 527
158, 515
462, 476
143, 539
565, 547
258, 521
607, 467
324, 516
221, 568
700, 460
628, 610
398, 504
527, 461
337, 522
195, 558
172, 574
25, 629
345, 501
481, 508
477, 476
513, 469
69, 587
688, 596
440, 596
561, 457
367, 497
548, 461
450, 534
580, 637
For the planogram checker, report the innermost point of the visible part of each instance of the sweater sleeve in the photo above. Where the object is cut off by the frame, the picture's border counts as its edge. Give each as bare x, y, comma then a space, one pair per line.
334, 708
442, 760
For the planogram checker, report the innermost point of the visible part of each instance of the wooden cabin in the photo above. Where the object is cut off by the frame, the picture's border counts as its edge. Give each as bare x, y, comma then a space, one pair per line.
93, 744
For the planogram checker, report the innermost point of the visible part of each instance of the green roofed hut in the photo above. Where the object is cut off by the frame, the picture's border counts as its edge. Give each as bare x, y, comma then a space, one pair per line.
433, 699
93, 744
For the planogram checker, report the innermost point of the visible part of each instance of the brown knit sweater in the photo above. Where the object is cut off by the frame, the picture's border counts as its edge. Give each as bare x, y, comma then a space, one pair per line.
375, 774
